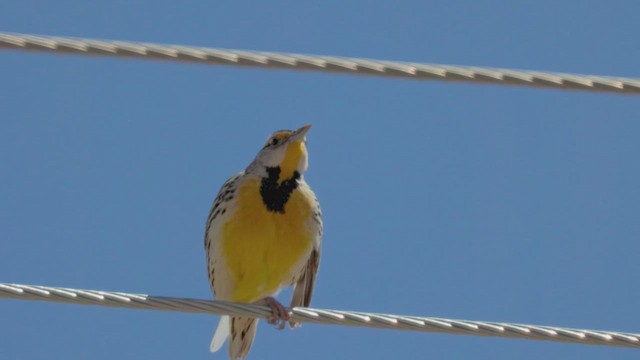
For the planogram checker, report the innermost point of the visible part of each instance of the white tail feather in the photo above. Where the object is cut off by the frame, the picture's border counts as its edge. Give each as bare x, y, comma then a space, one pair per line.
221, 334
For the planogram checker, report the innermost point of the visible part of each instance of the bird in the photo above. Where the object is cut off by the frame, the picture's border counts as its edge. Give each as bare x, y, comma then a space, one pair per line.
262, 235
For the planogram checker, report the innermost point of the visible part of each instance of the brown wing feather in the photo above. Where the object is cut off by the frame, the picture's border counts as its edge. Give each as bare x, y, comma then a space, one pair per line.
303, 291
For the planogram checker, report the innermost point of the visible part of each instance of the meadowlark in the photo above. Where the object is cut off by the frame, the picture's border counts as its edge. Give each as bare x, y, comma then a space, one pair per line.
262, 235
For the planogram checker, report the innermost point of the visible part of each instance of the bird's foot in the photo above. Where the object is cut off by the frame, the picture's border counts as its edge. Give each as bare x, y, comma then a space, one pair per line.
279, 314
294, 324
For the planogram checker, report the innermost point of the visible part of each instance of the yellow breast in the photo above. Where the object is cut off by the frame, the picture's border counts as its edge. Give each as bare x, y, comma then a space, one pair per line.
263, 249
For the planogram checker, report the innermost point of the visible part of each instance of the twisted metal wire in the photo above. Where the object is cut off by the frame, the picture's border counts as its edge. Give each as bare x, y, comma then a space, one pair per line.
320, 316
320, 63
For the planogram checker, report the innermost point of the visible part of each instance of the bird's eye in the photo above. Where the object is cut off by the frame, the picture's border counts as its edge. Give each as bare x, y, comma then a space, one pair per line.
274, 141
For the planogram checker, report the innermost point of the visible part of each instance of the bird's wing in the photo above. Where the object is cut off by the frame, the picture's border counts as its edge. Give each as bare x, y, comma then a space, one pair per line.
304, 286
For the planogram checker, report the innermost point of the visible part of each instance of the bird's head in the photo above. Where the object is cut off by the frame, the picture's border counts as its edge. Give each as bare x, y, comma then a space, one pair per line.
284, 150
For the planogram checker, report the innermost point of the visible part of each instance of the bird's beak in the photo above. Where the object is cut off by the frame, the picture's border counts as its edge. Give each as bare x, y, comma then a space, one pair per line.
298, 135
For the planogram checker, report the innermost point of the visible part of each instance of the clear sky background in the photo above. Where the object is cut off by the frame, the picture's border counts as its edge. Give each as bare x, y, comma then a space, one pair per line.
450, 200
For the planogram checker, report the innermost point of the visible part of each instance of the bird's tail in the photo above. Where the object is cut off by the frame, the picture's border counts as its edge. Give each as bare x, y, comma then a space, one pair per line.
222, 332
242, 330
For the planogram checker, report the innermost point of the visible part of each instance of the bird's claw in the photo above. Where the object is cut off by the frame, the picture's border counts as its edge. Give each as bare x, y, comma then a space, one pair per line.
279, 314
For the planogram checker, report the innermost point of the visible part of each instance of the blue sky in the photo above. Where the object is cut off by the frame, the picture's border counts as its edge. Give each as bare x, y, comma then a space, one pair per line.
448, 200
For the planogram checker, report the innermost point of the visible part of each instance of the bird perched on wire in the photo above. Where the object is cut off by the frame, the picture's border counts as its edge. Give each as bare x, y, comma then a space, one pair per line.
262, 235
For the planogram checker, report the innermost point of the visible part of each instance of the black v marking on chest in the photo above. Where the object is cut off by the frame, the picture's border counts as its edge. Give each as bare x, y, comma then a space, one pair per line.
275, 195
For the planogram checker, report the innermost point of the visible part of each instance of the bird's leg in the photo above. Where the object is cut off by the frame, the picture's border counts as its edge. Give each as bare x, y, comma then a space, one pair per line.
279, 314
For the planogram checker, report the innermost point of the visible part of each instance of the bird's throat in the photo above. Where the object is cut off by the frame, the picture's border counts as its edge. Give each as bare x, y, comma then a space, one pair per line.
292, 157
